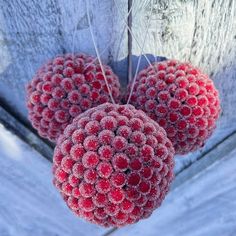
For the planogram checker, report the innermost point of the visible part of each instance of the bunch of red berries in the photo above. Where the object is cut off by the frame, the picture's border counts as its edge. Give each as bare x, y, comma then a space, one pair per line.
65, 87
113, 164
182, 99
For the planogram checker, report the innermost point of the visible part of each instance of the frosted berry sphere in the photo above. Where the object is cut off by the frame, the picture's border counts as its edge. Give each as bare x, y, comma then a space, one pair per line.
182, 99
65, 87
113, 165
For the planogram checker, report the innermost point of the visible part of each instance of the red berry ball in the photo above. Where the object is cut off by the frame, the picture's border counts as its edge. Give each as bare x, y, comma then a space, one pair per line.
182, 99
113, 165
65, 87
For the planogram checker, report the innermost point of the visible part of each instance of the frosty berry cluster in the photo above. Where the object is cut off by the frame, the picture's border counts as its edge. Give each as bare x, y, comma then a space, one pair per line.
113, 165
181, 99
64, 88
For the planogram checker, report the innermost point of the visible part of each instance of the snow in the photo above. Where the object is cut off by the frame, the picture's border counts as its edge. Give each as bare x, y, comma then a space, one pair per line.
29, 203
203, 206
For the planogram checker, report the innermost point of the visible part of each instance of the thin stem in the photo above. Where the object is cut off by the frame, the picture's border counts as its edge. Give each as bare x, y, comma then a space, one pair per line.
133, 36
74, 35
129, 19
113, 39
97, 52
73, 40
139, 60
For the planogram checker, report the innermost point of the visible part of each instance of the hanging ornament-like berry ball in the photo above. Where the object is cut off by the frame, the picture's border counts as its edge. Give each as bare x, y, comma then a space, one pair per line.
182, 99
113, 165
65, 87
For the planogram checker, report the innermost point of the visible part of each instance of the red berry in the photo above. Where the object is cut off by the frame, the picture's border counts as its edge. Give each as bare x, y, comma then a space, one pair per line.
144, 187
91, 143
134, 179
120, 161
138, 138
127, 206
61, 175
118, 179
86, 204
135, 164
90, 176
116, 195
90, 159
103, 186
86, 190
67, 164
78, 169
66, 188
104, 169
100, 200
74, 181
109, 123
105, 152
112, 210
119, 143
92, 127
61, 116
106, 136
77, 152
78, 136
66, 147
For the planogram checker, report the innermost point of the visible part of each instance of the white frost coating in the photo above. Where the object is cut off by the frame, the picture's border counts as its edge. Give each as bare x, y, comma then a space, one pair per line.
29, 203
203, 206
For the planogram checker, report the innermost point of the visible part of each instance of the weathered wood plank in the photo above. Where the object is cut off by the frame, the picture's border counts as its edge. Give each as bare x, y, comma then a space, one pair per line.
31, 32
217, 152
24, 133
202, 32
184, 162
29, 202
203, 206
